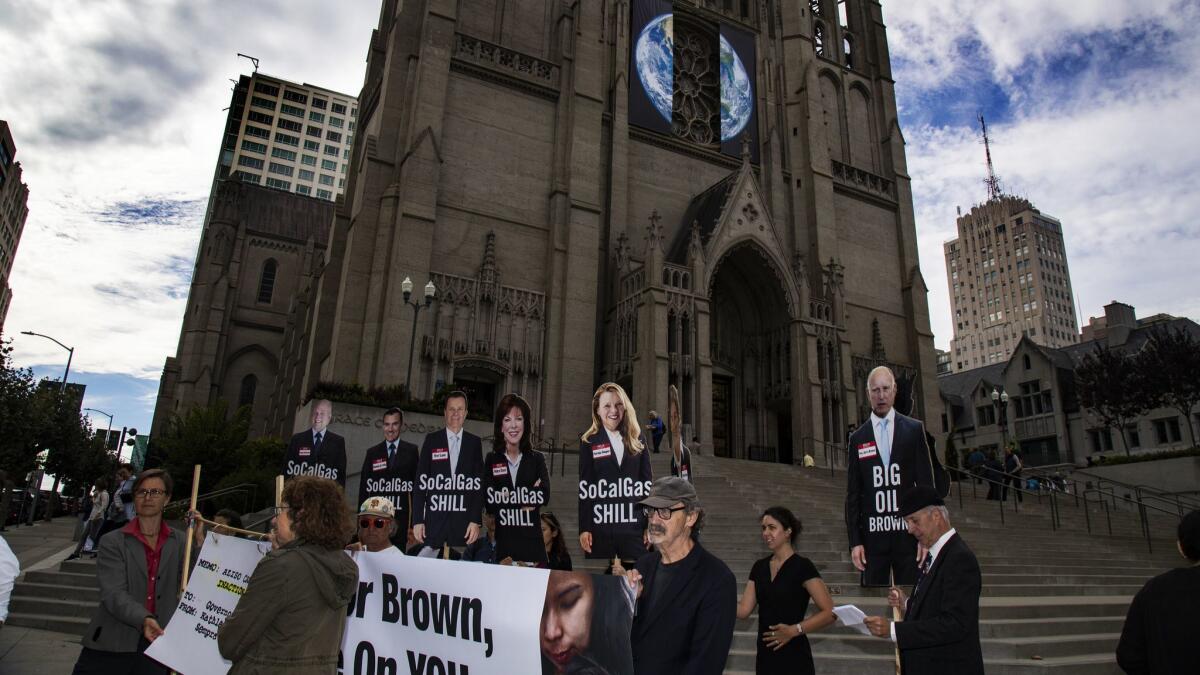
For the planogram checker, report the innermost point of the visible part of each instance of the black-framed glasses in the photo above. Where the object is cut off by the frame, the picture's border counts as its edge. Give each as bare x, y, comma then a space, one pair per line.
152, 492
379, 523
662, 513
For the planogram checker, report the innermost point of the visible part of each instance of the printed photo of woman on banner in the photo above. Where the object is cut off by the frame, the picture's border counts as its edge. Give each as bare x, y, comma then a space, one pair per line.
585, 625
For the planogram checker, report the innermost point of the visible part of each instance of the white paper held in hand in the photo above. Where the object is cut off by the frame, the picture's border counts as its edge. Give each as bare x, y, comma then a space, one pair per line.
851, 617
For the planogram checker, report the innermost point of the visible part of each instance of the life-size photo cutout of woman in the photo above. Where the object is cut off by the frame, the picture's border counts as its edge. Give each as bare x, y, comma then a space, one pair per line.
585, 625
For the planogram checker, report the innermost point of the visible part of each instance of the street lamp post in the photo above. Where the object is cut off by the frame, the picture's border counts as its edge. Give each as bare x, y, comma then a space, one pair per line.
1000, 402
70, 354
407, 287
110, 423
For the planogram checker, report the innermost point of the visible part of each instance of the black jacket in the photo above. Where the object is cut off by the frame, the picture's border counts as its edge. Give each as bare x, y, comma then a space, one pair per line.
909, 452
395, 482
518, 532
940, 630
328, 461
443, 502
1161, 626
683, 468
608, 496
690, 628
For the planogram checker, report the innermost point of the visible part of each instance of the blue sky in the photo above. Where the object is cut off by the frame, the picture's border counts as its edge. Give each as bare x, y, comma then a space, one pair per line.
116, 108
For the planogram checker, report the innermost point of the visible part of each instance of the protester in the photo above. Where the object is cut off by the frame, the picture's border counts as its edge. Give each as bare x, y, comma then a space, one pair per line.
1161, 626
681, 456
95, 521
224, 519
518, 484
580, 614
376, 526
993, 472
122, 509
888, 454
780, 586
291, 617
317, 451
975, 464
939, 632
10, 569
389, 469
448, 496
557, 556
483, 549
614, 473
139, 570
687, 597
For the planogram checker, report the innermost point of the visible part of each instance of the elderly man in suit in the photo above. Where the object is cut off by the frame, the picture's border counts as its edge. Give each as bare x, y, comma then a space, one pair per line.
887, 454
448, 496
939, 632
317, 451
687, 597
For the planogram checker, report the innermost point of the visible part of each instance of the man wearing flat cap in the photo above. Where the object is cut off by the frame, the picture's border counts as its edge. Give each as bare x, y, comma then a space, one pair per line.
687, 597
939, 630
376, 526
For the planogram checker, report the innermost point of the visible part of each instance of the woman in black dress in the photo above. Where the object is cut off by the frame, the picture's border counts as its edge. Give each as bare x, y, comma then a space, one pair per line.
518, 485
781, 585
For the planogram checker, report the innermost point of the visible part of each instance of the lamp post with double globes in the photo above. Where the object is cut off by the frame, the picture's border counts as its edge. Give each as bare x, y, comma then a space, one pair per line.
430, 290
1000, 402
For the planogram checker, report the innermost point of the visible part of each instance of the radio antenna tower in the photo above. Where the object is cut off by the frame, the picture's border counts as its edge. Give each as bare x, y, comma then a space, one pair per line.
992, 181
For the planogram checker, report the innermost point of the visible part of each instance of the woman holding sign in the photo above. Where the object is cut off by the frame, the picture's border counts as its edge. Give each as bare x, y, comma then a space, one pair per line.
518, 485
291, 615
614, 474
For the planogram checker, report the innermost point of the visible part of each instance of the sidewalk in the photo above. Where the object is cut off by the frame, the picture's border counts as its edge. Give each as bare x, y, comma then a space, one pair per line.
28, 650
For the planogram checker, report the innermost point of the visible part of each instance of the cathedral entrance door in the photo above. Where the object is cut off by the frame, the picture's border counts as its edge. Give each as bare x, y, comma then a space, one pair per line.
722, 422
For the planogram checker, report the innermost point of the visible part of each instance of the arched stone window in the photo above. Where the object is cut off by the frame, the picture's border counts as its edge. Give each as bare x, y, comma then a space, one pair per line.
247, 390
266, 281
819, 38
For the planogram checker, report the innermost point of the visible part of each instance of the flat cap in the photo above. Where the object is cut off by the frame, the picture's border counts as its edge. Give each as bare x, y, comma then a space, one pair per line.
667, 490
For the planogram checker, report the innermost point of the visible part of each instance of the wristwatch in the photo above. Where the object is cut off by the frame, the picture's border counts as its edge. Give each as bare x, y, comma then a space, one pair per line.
800, 629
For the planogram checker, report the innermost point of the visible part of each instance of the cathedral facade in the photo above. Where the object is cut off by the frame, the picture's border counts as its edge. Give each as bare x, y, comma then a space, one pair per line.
708, 193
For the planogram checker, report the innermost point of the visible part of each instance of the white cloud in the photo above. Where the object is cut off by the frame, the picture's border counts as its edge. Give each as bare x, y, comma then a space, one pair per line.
121, 102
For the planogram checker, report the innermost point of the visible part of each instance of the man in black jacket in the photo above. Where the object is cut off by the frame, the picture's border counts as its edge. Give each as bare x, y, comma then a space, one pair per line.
448, 495
687, 597
317, 451
887, 454
389, 470
939, 632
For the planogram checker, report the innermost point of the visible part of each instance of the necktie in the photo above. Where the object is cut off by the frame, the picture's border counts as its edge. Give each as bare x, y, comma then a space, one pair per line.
923, 570
391, 453
885, 443
317, 439
453, 453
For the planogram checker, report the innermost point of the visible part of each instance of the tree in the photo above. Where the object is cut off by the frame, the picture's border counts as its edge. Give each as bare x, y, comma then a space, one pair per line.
1111, 384
18, 446
1170, 362
206, 435
67, 434
258, 463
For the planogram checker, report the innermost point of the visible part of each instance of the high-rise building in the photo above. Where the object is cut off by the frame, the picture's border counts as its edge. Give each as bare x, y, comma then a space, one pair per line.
13, 210
1008, 277
288, 136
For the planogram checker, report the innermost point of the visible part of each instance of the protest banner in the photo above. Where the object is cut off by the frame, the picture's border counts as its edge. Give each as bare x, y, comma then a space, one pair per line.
218, 581
426, 616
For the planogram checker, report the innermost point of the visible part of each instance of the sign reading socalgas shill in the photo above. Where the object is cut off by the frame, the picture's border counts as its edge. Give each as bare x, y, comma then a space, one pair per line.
422, 616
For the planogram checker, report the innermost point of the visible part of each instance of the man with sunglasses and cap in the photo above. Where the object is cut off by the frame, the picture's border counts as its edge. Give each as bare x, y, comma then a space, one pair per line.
939, 630
687, 597
376, 526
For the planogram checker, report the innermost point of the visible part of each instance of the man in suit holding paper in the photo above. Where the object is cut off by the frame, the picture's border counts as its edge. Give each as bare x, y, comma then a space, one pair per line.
886, 455
939, 632
448, 496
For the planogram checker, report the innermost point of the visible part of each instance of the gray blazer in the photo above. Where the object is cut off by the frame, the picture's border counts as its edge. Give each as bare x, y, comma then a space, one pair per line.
121, 569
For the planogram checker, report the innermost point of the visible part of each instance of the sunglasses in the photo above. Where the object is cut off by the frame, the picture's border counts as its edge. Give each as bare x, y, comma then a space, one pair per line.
379, 523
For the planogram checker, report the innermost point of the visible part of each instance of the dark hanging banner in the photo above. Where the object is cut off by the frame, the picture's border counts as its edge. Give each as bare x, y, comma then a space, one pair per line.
651, 65
738, 91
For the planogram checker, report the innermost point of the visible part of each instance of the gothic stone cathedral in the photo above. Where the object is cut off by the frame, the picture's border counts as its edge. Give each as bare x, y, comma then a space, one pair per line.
504, 152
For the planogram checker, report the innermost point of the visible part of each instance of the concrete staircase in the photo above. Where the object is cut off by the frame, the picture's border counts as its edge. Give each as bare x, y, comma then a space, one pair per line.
1053, 600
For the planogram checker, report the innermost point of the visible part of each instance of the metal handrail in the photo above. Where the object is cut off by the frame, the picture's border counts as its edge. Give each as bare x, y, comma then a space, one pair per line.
1055, 520
831, 451
1143, 516
1148, 492
235, 489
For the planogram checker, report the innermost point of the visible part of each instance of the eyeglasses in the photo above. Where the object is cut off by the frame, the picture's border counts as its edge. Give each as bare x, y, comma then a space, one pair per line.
278, 510
380, 523
146, 494
663, 513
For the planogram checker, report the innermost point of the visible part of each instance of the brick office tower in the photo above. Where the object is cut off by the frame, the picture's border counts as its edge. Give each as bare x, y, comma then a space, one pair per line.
1008, 277
707, 194
14, 196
